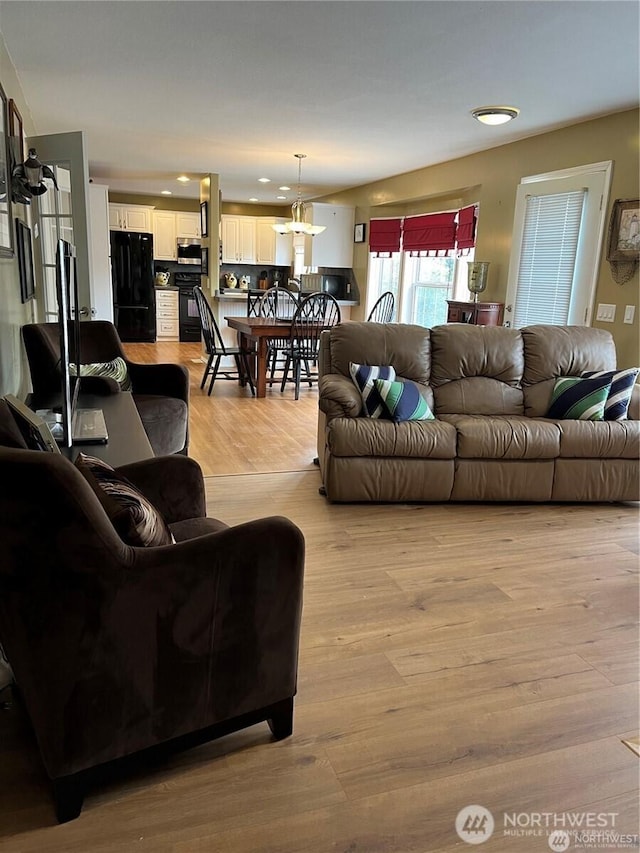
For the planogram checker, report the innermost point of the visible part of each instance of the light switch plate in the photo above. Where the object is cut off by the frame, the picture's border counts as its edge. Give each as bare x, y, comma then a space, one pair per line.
606, 313
629, 313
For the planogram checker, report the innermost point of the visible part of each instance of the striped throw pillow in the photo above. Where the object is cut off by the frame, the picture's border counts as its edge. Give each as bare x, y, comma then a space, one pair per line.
622, 382
135, 518
116, 369
364, 376
577, 399
403, 401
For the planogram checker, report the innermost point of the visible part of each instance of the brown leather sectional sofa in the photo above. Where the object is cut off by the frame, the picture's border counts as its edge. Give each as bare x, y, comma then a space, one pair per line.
489, 388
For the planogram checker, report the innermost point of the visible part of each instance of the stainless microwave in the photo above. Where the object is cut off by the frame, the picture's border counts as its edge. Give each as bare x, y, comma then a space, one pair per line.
189, 251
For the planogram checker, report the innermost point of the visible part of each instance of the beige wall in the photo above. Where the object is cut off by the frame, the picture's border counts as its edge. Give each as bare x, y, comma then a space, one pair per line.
491, 178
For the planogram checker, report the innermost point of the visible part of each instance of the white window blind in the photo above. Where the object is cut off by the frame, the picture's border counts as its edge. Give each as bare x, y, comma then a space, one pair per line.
548, 258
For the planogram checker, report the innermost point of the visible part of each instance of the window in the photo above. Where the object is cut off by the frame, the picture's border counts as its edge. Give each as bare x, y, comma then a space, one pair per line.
557, 235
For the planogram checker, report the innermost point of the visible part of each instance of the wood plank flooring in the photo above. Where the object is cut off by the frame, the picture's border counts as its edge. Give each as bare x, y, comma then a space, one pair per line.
450, 655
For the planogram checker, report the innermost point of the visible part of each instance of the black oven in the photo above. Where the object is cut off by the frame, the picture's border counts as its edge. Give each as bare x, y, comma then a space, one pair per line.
188, 310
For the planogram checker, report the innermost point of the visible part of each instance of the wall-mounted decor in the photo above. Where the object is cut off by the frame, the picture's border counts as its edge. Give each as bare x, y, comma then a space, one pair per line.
204, 212
15, 136
205, 260
623, 251
359, 232
25, 260
6, 231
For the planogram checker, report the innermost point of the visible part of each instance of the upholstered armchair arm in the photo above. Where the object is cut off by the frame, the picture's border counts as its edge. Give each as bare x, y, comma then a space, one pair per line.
101, 385
339, 397
173, 484
166, 380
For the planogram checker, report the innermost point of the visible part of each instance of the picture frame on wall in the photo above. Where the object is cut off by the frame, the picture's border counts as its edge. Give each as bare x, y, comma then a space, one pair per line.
15, 135
25, 261
624, 230
359, 232
6, 230
204, 209
205, 261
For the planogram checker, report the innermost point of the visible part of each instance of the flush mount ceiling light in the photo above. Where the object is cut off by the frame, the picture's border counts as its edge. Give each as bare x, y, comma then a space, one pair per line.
495, 115
297, 224
264, 180
183, 179
166, 192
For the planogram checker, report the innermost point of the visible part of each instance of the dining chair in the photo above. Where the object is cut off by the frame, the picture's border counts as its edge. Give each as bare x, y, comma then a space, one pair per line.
316, 312
382, 311
217, 349
280, 304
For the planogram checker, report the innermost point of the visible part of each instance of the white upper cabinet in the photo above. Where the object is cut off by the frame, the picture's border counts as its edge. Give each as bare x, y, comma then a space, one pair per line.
130, 217
272, 248
187, 225
238, 239
164, 235
334, 247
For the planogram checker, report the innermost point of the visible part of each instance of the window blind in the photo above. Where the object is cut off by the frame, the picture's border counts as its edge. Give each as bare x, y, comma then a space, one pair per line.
548, 258
384, 235
466, 231
433, 232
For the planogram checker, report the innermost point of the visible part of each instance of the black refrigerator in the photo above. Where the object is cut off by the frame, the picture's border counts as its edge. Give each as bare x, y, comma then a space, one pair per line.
134, 295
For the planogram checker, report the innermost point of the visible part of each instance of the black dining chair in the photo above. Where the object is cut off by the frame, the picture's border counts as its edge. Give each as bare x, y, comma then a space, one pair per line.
280, 304
316, 312
382, 311
217, 349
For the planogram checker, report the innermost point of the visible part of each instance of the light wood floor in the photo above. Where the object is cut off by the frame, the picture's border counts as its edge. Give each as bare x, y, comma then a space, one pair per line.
450, 655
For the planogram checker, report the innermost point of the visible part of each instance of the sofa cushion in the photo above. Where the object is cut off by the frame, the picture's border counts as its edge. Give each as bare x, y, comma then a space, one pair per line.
412, 439
510, 437
599, 439
365, 376
135, 518
579, 399
622, 382
403, 401
406, 347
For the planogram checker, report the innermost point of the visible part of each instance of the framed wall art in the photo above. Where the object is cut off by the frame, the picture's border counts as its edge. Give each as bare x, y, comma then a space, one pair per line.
6, 231
25, 261
204, 231
205, 261
15, 137
359, 232
624, 231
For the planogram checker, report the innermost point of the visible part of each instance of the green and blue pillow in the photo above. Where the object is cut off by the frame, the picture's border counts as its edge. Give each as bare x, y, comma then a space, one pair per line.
622, 382
579, 399
403, 400
364, 377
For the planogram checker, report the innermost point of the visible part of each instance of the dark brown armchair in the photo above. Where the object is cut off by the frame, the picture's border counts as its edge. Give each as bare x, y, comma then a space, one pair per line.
119, 651
160, 391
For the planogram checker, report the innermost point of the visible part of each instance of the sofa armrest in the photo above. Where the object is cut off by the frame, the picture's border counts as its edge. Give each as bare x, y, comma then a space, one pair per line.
173, 484
165, 380
339, 397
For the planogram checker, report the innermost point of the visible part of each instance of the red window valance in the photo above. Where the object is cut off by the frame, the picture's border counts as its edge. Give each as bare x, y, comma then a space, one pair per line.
466, 232
433, 232
384, 235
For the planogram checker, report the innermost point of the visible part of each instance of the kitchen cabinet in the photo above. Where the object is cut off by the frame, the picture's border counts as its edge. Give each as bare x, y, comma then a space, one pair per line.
238, 239
334, 247
164, 235
475, 313
130, 217
187, 225
167, 315
272, 248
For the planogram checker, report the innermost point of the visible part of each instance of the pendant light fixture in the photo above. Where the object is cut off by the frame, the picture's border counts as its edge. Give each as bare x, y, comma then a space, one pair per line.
297, 224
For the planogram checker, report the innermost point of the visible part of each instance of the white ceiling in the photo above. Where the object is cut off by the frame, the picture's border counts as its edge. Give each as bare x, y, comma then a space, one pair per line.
366, 89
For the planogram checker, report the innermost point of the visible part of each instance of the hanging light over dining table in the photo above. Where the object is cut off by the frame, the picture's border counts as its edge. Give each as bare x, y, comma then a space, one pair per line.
297, 225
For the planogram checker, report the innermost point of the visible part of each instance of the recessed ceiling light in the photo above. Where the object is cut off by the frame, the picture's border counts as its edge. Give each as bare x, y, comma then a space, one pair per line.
183, 179
264, 180
284, 189
495, 115
281, 197
166, 192
253, 199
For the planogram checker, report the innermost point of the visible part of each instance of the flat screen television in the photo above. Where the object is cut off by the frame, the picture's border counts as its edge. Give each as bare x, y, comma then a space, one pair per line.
67, 295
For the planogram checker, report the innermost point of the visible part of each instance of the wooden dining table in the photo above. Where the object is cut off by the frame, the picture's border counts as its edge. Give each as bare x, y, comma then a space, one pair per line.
260, 330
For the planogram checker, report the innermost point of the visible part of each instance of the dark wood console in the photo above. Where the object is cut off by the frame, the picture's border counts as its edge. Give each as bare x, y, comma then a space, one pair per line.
475, 313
